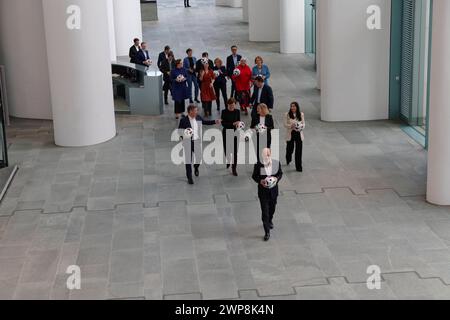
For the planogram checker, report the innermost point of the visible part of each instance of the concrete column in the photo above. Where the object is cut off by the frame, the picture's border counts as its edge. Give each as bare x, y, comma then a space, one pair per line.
318, 41
439, 115
229, 3
112, 31
80, 71
245, 10
128, 24
264, 20
354, 61
292, 28
24, 54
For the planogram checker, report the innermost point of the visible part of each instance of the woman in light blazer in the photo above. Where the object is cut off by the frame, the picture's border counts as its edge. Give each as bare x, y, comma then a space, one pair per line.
295, 136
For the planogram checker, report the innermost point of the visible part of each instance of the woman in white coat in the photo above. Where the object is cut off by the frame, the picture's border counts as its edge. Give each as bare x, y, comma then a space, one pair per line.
295, 123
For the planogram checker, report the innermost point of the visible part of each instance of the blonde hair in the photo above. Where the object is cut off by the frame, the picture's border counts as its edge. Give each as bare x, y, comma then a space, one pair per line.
259, 58
264, 109
218, 60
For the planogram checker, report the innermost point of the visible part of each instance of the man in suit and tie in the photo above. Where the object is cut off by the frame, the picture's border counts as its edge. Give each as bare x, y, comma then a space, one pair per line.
134, 50
193, 145
232, 63
268, 197
143, 57
163, 56
262, 93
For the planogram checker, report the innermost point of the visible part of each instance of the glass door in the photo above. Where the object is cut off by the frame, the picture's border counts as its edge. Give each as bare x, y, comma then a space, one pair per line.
3, 143
310, 27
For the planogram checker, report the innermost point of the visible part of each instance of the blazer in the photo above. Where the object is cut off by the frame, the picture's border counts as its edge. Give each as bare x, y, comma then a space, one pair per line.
133, 54
266, 97
166, 67
140, 57
179, 89
269, 123
263, 72
185, 123
230, 64
161, 58
260, 174
288, 122
187, 66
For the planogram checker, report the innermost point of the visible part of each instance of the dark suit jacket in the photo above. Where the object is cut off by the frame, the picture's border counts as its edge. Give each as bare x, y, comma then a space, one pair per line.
133, 54
266, 97
161, 58
270, 124
166, 67
260, 174
185, 123
230, 64
140, 57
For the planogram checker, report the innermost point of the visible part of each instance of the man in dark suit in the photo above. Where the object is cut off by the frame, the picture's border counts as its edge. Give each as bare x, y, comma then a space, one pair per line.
263, 93
143, 57
163, 55
193, 145
267, 197
232, 62
134, 50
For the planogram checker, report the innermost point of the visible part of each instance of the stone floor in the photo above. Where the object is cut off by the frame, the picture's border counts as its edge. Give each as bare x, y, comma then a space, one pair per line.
125, 215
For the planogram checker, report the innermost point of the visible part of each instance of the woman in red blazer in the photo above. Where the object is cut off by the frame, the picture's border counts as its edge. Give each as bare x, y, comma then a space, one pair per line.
243, 81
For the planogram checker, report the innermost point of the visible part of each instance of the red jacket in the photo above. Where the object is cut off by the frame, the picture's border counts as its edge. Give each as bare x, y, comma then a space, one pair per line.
244, 80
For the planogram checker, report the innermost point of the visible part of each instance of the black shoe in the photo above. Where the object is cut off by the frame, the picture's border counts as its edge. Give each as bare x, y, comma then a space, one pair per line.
271, 226
228, 166
166, 103
197, 172
288, 162
197, 101
190, 181
267, 237
300, 170
235, 173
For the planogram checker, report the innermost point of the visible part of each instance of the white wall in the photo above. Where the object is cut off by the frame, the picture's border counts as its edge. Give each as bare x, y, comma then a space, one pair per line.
354, 61
292, 26
128, 24
112, 31
24, 54
264, 20
245, 10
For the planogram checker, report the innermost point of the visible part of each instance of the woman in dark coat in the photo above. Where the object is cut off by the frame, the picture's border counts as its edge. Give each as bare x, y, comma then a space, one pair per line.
231, 118
266, 119
220, 85
167, 65
179, 78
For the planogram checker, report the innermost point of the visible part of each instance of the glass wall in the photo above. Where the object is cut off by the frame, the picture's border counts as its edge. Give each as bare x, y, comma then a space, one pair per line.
410, 46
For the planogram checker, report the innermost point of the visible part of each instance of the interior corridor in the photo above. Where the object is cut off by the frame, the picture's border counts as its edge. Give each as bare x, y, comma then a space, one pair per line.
124, 213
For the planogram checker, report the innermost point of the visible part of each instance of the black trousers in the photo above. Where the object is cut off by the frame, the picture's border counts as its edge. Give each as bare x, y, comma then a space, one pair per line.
268, 207
233, 90
207, 106
186, 3
231, 154
190, 161
218, 88
166, 88
297, 144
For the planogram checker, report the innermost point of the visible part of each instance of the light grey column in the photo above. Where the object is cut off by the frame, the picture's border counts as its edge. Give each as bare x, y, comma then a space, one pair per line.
264, 20
439, 115
292, 29
80, 71
128, 24
23, 53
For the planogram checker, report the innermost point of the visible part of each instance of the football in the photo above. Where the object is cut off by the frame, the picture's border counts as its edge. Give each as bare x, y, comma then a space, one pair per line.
299, 126
237, 72
271, 182
241, 126
180, 78
188, 133
217, 73
260, 128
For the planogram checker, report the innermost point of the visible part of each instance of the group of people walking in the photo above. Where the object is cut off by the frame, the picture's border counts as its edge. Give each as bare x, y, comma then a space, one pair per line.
192, 78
